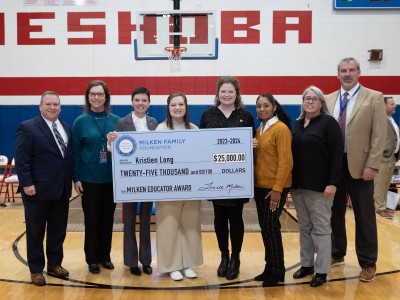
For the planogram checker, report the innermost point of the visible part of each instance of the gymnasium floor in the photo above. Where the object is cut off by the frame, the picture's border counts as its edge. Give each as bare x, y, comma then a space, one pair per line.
120, 284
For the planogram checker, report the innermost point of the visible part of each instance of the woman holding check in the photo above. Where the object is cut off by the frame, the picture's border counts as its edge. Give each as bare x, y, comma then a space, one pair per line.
137, 121
178, 231
227, 112
93, 174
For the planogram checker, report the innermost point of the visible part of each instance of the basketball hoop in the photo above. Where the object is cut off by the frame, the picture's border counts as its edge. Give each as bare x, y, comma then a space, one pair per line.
175, 54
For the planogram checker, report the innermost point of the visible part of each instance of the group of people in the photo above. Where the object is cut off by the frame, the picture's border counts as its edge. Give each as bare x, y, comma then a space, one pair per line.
332, 152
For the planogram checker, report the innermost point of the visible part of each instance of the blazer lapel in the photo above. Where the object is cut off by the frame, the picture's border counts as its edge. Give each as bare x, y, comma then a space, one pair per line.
361, 97
391, 125
128, 123
150, 123
331, 103
47, 132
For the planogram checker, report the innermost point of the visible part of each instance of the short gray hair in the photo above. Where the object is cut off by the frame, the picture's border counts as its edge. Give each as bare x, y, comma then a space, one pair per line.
348, 59
320, 94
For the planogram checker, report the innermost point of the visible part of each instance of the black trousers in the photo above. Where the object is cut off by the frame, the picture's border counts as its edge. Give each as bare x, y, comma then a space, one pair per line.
271, 229
42, 216
98, 208
362, 198
228, 222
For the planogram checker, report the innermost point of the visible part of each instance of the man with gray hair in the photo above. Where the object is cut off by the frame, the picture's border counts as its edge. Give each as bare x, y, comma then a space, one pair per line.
361, 115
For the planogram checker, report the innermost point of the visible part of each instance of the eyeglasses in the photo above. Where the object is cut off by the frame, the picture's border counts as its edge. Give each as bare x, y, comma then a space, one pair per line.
311, 99
93, 95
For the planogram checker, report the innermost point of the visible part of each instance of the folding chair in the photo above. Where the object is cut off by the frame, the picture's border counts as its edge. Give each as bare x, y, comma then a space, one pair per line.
3, 175
11, 180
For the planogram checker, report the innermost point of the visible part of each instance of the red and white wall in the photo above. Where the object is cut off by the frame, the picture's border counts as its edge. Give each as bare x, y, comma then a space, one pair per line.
274, 46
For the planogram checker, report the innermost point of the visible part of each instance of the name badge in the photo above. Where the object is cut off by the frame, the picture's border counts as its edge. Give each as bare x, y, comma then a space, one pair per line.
103, 157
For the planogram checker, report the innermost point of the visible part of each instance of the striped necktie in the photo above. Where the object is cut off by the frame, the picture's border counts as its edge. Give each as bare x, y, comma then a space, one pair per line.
342, 118
59, 138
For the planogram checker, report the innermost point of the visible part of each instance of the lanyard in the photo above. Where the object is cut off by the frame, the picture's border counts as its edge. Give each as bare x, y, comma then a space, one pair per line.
347, 100
101, 133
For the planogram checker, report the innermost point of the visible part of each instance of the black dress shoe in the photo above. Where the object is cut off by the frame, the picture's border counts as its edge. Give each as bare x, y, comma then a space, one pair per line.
94, 268
147, 270
273, 279
136, 271
108, 265
318, 279
303, 272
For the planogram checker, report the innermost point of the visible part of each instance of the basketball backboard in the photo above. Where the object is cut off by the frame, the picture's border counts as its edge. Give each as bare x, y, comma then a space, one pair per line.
157, 30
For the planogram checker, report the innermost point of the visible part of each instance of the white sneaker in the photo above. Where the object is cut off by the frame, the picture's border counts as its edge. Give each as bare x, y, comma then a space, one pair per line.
189, 273
176, 275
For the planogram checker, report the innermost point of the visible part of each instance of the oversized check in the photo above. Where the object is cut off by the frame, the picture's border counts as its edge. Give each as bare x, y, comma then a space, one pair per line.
183, 165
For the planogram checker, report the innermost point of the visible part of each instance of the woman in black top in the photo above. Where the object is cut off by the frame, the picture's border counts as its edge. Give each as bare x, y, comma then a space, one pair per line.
228, 112
317, 149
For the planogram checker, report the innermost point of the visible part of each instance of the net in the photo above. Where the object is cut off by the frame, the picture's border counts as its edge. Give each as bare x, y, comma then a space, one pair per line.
175, 54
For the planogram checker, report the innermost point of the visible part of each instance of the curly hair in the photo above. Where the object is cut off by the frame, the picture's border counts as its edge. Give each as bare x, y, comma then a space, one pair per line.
232, 80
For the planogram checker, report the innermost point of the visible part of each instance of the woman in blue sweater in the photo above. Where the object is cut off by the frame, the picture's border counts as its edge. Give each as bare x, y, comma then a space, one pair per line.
93, 174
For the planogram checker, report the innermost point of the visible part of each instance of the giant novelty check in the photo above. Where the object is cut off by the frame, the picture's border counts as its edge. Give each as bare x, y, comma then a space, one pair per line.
183, 165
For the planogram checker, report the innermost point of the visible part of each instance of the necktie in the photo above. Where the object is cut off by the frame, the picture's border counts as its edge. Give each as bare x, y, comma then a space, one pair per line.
342, 117
59, 138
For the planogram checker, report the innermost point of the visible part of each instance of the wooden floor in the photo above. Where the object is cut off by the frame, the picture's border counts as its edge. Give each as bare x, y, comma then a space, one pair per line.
120, 284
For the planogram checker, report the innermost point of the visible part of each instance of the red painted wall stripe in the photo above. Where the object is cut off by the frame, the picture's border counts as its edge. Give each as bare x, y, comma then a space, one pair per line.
191, 85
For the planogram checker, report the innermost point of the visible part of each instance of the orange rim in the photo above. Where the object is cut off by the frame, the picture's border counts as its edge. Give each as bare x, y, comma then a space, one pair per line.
176, 51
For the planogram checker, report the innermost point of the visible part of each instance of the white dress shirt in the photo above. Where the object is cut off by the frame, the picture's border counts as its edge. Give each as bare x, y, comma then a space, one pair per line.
396, 129
268, 124
60, 129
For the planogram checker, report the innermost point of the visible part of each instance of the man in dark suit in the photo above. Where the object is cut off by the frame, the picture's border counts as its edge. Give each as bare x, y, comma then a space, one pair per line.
137, 120
361, 115
390, 155
43, 157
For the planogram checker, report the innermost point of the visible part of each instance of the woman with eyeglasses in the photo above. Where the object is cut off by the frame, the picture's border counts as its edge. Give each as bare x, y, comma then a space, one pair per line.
317, 149
93, 174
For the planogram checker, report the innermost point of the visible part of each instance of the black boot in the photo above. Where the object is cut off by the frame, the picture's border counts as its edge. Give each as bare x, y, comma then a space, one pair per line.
264, 274
223, 266
234, 265
273, 279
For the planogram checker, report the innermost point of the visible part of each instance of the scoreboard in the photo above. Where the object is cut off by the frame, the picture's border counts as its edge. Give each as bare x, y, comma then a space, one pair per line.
367, 4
